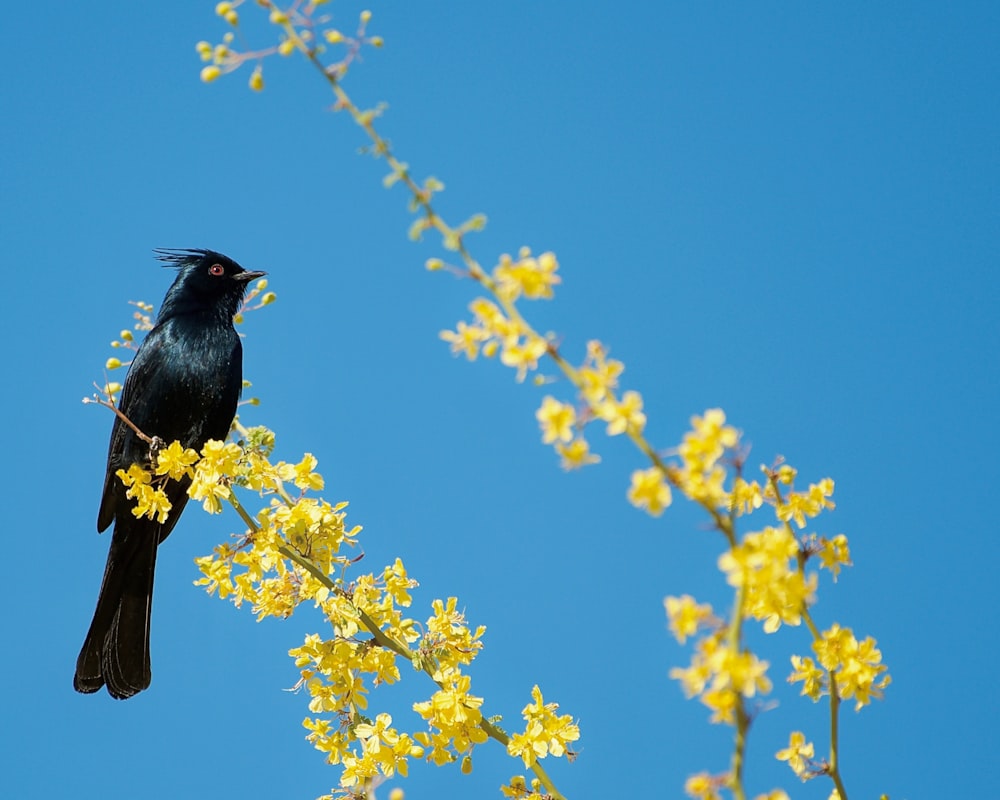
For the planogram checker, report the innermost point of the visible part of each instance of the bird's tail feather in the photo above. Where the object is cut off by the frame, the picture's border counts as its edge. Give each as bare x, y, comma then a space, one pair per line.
116, 650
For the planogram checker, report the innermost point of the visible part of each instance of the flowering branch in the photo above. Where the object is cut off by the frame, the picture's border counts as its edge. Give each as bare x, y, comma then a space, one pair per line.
765, 567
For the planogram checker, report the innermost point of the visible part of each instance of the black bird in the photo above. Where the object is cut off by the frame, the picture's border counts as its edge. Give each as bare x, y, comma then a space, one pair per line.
183, 384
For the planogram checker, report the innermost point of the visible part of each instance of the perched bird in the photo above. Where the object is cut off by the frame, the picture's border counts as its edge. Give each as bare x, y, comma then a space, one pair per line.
183, 384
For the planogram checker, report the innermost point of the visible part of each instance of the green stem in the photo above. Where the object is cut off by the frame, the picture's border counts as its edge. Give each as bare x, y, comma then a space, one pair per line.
734, 641
833, 765
834, 740
251, 523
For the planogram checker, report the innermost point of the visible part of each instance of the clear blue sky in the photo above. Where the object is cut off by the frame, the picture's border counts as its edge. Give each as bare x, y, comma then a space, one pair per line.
789, 210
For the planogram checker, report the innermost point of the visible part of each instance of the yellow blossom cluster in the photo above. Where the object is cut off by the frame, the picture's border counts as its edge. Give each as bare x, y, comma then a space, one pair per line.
796, 506
649, 490
300, 30
856, 667
562, 424
766, 568
454, 718
596, 381
686, 616
383, 750
492, 331
701, 475
495, 329
546, 732
150, 501
498, 328
833, 553
528, 276
765, 565
294, 552
448, 643
721, 674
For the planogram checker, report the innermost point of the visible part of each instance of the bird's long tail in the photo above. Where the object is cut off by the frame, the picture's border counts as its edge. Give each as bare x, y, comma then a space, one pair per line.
116, 650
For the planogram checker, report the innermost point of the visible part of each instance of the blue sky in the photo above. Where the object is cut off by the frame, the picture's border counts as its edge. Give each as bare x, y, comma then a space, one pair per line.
789, 211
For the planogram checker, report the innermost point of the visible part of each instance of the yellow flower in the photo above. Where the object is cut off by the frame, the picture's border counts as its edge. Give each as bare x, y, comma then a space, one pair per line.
745, 673
625, 415
494, 321
799, 505
449, 638
534, 278
150, 501
786, 474
212, 474
557, 420
217, 570
112, 390
723, 703
516, 788
649, 491
358, 770
709, 654
524, 354
813, 678
686, 615
834, 553
704, 786
134, 476
798, 754
465, 339
576, 454
598, 376
302, 473
745, 496
175, 461
707, 441
701, 477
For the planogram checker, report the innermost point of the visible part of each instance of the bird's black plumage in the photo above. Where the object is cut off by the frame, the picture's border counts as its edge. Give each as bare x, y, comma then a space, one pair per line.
183, 384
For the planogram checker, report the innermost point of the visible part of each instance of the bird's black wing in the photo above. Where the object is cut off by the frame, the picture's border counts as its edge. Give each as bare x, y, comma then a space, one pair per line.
125, 447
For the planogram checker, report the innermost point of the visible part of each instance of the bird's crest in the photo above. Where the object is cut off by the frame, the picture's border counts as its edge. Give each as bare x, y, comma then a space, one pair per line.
183, 256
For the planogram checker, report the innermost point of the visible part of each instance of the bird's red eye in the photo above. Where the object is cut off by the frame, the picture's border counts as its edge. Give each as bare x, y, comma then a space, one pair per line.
217, 269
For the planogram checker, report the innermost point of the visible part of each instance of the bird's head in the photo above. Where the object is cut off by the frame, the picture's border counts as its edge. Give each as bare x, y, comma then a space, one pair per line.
206, 282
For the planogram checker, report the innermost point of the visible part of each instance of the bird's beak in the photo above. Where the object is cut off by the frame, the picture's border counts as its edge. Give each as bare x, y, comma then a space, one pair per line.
248, 275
